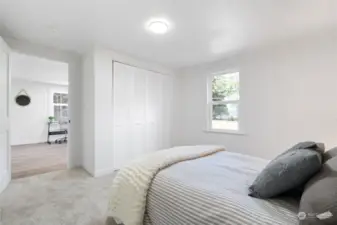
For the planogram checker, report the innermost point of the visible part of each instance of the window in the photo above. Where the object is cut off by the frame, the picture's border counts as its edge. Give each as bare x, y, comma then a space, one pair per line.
60, 102
223, 102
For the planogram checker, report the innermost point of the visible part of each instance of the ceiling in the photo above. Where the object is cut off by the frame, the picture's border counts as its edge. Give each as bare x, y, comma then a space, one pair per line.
200, 30
38, 69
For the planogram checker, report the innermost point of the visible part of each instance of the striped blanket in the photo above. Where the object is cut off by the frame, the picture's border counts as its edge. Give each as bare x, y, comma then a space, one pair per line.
130, 187
214, 190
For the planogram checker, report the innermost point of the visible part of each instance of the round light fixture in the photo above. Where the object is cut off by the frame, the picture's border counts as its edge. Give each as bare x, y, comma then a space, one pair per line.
158, 27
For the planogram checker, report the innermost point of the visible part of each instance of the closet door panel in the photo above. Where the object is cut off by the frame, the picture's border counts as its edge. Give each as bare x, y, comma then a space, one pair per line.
138, 140
167, 94
139, 97
122, 146
141, 113
123, 93
154, 105
150, 97
151, 137
159, 110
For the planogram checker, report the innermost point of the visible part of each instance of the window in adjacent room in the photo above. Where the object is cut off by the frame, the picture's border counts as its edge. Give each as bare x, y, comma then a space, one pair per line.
223, 102
60, 102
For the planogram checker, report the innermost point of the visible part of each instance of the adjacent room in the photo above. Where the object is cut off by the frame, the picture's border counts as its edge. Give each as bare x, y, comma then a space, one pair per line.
159, 112
38, 114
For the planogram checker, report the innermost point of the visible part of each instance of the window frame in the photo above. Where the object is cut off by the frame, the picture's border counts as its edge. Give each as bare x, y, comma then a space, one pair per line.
210, 104
59, 104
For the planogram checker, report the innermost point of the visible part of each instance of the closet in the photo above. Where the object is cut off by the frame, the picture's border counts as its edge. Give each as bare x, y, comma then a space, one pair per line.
142, 112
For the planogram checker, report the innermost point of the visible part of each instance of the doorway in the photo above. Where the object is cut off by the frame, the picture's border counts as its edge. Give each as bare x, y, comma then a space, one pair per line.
39, 115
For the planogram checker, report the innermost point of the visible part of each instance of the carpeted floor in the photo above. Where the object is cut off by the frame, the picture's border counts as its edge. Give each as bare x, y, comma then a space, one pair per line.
58, 198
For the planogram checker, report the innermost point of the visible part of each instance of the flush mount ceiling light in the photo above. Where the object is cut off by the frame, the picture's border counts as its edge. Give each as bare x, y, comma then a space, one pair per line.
158, 27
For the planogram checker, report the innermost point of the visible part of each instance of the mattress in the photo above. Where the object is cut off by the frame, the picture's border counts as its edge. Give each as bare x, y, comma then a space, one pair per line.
214, 190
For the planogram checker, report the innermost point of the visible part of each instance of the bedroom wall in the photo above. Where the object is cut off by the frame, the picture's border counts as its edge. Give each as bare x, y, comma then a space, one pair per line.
29, 124
288, 94
88, 110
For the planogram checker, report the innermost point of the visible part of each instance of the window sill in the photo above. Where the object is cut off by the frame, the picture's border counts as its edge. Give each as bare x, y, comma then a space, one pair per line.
232, 132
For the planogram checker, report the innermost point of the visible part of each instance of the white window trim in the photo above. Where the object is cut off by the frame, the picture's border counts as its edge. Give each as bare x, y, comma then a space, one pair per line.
210, 103
57, 104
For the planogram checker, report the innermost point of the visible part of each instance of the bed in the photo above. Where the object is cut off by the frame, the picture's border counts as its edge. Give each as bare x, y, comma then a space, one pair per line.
213, 190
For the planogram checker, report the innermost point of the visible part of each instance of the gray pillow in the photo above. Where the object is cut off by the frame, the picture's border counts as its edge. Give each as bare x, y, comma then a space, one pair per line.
288, 171
319, 200
329, 154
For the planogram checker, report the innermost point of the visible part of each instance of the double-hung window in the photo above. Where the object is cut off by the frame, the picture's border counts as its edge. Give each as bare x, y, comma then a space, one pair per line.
223, 102
60, 108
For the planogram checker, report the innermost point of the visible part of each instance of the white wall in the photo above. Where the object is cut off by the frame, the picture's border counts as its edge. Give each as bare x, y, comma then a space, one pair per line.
29, 124
38, 69
98, 84
288, 94
103, 113
75, 90
88, 110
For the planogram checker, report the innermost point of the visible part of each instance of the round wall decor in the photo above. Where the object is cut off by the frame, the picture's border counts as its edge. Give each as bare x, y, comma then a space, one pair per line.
22, 98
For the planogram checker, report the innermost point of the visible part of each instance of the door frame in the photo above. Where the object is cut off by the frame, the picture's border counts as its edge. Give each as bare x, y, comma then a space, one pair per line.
74, 61
5, 181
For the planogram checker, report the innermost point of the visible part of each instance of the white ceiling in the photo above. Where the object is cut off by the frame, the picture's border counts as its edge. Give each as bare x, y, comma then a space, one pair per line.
38, 69
201, 30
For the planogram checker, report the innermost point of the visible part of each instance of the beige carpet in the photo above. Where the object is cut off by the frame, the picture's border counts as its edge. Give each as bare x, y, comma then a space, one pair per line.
59, 198
28, 160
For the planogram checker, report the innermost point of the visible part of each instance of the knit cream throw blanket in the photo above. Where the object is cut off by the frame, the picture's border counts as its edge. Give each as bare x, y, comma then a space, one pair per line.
129, 189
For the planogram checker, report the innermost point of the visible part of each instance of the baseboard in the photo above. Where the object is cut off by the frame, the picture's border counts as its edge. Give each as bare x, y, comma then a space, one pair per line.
27, 144
104, 172
88, 171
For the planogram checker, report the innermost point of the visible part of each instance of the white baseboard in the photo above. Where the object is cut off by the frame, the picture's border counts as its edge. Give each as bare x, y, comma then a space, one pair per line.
104, 172
29, 143
88, 171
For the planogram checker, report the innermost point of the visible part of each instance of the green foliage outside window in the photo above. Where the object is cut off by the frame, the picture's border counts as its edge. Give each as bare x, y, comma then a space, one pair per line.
224, 88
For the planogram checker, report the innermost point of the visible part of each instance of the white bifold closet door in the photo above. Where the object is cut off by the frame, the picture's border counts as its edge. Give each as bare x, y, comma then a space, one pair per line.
142, 112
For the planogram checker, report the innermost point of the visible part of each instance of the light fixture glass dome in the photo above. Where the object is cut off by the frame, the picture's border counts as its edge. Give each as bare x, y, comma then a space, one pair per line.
158, 27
